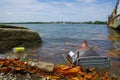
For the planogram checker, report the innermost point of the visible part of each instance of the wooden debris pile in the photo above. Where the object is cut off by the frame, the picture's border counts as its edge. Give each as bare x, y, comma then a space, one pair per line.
60, 71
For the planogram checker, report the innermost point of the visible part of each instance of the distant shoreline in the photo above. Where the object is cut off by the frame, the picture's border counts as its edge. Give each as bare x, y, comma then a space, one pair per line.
57, 22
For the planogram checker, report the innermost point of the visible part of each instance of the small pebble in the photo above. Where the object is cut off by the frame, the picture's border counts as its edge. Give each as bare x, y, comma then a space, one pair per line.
28, 76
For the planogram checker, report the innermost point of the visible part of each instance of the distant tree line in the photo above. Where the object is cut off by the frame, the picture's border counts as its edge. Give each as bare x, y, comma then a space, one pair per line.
95, 22
59, 22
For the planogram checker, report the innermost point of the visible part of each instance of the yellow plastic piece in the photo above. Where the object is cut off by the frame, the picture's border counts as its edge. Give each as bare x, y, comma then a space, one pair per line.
19, 49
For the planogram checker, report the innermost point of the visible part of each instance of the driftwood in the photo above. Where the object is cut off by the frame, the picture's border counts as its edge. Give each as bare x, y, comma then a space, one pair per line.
49, 67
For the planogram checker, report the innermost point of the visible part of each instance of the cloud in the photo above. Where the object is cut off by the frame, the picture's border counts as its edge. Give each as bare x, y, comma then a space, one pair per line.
37, 10
87, 1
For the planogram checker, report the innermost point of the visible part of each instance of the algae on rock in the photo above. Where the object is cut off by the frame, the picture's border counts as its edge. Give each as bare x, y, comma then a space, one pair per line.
12, 36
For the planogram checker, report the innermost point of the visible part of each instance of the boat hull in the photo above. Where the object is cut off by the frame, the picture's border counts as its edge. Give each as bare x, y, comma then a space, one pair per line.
115, 22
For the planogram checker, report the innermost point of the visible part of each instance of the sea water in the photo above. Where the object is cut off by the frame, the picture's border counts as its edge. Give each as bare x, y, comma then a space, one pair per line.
59, 39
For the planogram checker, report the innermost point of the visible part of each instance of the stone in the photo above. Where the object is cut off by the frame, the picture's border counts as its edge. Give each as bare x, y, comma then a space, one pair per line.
13, 56
2, 56
48, 67
28, 76
45, 66
15, 36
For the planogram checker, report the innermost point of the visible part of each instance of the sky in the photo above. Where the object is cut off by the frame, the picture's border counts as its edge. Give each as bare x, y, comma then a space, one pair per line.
55, 10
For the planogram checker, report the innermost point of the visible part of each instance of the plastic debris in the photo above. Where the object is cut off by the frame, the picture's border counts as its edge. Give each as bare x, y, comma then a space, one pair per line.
18, 49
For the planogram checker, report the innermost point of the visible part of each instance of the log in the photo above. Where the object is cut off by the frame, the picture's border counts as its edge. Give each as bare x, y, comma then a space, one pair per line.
44, 66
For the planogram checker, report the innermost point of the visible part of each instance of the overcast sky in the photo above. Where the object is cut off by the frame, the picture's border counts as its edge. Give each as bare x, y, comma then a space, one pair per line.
55, 10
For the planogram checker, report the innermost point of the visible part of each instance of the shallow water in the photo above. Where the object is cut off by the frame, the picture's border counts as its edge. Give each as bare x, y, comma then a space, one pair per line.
62, 38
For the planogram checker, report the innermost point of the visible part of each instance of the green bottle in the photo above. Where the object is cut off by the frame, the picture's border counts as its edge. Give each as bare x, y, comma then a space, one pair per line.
24, 57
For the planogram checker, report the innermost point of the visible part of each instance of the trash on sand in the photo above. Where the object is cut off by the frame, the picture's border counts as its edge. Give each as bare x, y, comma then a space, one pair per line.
18, 53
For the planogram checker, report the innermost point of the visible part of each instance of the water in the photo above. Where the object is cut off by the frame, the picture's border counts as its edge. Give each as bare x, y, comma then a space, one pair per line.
62, 38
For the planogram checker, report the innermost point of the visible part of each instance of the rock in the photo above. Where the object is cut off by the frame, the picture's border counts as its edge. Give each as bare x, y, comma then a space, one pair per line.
13, 56
12, 36
28, 77
12, 27
2, 56
8, 76
48, 67
45, 66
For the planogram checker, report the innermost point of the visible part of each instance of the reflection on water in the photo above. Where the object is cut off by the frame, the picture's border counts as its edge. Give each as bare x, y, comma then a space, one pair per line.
62, 38
114, 34
114, 37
